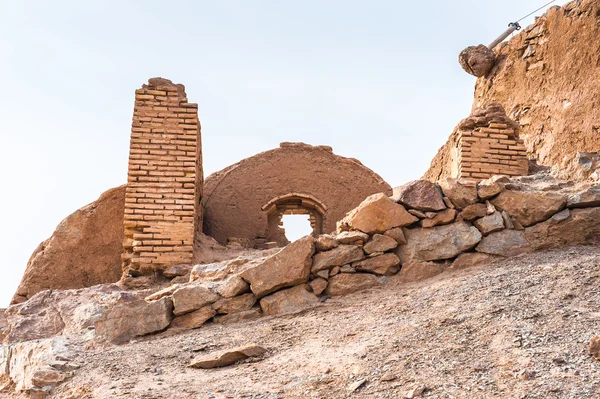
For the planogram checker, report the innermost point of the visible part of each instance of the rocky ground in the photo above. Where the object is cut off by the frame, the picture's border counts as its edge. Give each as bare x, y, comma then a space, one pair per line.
518, 328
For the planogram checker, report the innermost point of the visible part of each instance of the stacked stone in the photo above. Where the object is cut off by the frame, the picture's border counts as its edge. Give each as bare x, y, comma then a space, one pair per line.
491, 150
164, 181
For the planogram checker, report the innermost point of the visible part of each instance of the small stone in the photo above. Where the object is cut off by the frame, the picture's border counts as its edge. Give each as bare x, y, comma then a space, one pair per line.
388, 376
415, 392
491, 187
595, 347
234, 286
324, 274
234, 305
397, 234
446, 216
380, 243
194, 319
422, 195
347, 269
227, 357
449, 203
489, 208
179, 270
417, 213
47, 376
318, 286
384, 265
325, 242
334, 271
347, 283
352, 238
291, 300
430, 215
490, 224
474, 211
507, 220
356, 385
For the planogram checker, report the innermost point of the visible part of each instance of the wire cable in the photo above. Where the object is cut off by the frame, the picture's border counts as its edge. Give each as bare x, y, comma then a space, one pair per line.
530, 14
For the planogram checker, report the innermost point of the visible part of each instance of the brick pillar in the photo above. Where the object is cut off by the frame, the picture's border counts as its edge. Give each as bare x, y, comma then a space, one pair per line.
165, 179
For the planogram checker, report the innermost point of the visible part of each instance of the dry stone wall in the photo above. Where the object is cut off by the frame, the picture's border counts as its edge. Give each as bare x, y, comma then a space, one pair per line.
165, 179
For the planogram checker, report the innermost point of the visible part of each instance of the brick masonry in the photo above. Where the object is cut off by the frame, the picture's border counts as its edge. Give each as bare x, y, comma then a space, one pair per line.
493, 150
165, 180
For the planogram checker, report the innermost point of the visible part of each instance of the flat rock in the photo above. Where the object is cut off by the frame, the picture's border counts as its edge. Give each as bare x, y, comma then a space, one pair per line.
194, 319
530, 207
380, 243
491, 187
490, 224
227, 357
504, 243
339, 256
441, 218
422, 195
318, 285
575, 227
163, 293
234, 286
192, 297
397, 234
471, 259
352, 237
348, 283
288, 301
462, 192
234, 305
474, 211
595, 347
124, 322
233, 318
384, 264
289, 267
417, 271
440, 242
376, 214
325, 242
585, 199
178, 270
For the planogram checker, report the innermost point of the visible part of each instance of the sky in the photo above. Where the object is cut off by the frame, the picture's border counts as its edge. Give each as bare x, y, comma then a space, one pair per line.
377, 80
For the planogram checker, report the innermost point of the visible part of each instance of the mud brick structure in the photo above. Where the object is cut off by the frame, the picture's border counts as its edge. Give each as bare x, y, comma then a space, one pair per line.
165, 179
493, 150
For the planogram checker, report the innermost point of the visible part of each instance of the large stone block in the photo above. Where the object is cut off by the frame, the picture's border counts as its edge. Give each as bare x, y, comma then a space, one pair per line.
339, 256
291, 300
420, 194
530, 207
348, 283
377, 214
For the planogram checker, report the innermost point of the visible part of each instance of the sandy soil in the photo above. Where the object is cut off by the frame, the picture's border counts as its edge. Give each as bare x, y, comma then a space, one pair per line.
519, 328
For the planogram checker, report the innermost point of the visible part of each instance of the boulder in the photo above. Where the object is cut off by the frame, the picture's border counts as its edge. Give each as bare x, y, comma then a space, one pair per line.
422, 195
35, 319
352, 238
441, 242
384, 264
234, 305
490, 224
397, 234
325, 242
595, 347
477, 60
318, 285
192, 297
446, 216
195, 319
227, 357
233, 318
234, 286
574, 227
530, 207
124, 322
504, 243
491, 187
291, 300
585, 199
380, 243
471, 259
462, 192
339, 256
84, 250
417, 271
348, 283
376, 214
289, 267
474, 211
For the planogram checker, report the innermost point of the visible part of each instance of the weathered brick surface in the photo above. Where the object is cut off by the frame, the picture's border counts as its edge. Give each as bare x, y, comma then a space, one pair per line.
488, 151
165, 179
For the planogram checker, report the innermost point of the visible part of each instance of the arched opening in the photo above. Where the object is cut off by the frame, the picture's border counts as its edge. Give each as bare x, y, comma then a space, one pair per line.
296, 226
293, 204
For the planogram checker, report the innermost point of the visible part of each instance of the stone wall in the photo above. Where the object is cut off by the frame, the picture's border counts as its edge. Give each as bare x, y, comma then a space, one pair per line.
165, 179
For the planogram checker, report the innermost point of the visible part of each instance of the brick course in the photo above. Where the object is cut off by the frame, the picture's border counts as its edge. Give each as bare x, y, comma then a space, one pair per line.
165, 179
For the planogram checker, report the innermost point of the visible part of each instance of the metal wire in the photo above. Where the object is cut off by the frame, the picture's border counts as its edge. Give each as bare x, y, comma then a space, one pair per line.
530, 14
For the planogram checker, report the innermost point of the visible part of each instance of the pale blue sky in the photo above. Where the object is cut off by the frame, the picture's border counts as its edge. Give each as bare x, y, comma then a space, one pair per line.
378, 81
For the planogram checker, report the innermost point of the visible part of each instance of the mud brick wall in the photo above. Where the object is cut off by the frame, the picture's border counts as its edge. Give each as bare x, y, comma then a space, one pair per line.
489, 151
165, 179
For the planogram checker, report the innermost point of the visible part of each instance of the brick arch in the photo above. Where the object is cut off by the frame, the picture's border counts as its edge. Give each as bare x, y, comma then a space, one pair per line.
234, 197
293, 204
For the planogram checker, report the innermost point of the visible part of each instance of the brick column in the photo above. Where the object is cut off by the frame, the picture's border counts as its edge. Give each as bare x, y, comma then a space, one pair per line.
164, 184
